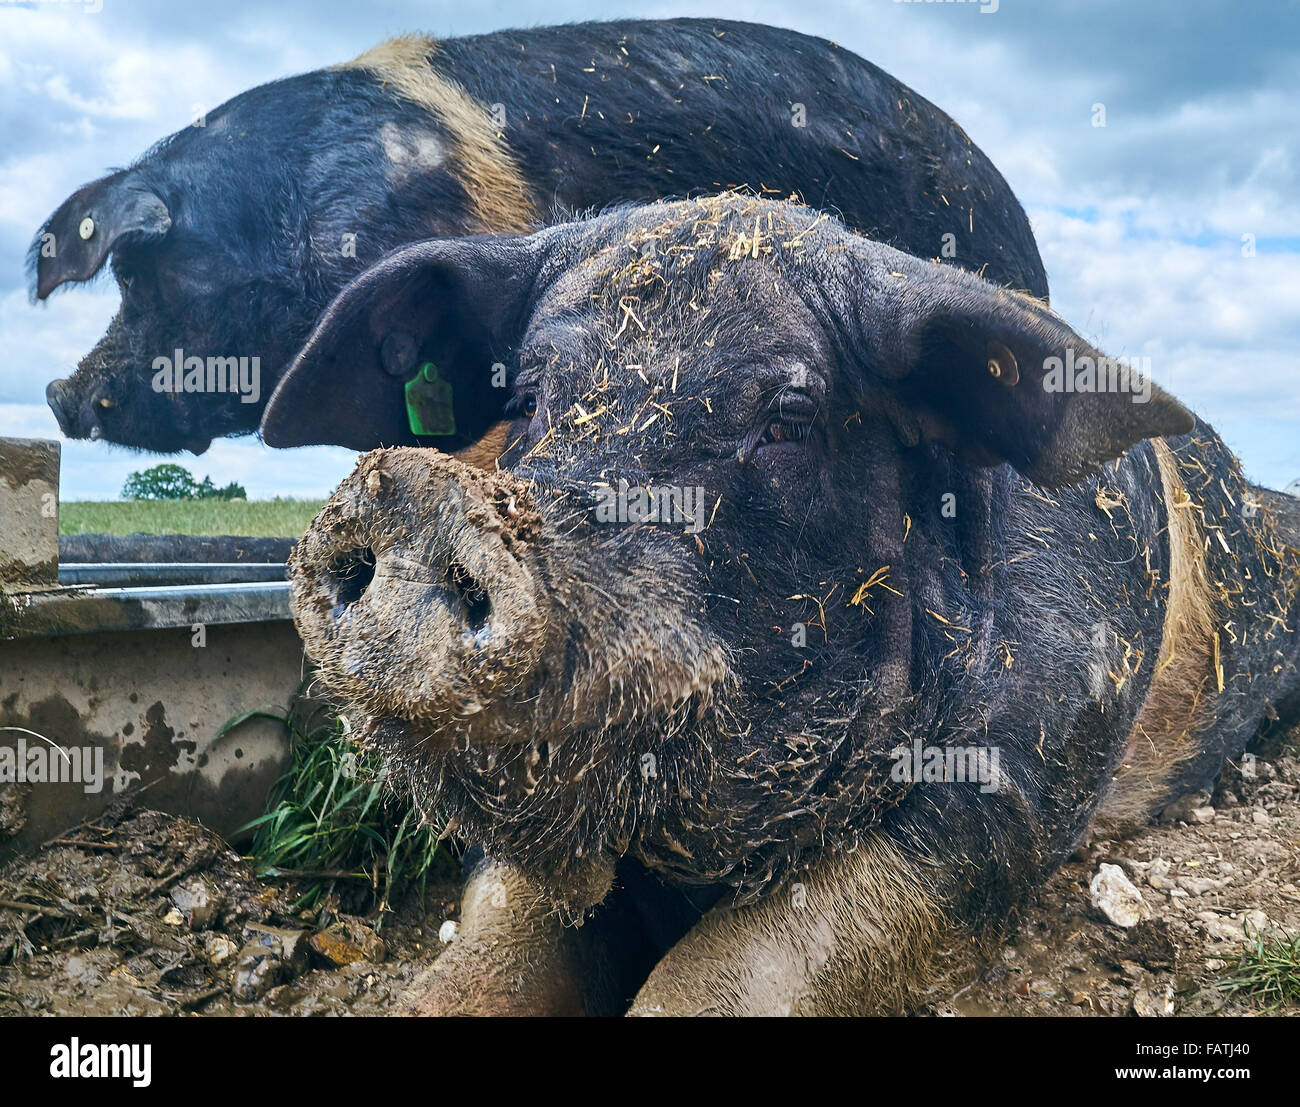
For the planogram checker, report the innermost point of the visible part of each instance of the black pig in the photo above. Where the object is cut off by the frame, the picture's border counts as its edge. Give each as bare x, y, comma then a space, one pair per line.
884, 544
228, 240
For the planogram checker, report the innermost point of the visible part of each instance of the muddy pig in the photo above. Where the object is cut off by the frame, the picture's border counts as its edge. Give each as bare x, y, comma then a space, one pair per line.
228, 239
807, 619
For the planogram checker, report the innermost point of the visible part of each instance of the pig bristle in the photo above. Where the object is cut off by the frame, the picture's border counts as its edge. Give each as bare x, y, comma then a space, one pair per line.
498, 193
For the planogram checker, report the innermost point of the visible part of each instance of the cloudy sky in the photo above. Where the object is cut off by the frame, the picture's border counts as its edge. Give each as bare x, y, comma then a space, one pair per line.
1142, 223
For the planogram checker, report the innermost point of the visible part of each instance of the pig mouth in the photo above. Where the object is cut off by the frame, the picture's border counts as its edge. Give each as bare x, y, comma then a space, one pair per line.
95, 414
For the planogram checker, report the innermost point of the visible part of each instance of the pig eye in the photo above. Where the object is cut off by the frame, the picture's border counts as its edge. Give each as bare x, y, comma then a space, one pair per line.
524, 407
783, 430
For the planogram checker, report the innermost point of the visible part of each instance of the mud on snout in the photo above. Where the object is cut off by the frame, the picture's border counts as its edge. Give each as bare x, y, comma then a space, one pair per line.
451, 601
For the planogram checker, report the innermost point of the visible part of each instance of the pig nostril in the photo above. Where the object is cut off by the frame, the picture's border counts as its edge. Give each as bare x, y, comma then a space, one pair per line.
473, 596
351, 576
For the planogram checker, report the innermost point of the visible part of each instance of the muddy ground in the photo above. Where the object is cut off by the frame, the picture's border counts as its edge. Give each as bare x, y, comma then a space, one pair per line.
144, 913
1216, 871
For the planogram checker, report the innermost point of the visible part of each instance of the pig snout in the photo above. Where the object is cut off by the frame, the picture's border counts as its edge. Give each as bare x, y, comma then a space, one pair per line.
413, 592
78, 415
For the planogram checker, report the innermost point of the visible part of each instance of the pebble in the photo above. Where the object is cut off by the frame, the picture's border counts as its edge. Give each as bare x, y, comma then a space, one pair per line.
1199, 885
1234, 930
1157, 874
1181, 810
1116, 897
1154, 1002
218, 949
270, 956
447, 932
344, 943
198, 901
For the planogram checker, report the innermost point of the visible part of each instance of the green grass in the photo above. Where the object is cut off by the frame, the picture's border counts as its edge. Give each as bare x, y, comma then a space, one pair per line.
332, 817
253, 519
1269, 970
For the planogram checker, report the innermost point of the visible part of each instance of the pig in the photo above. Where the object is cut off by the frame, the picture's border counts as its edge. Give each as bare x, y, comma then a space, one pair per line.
926, 613
229, 238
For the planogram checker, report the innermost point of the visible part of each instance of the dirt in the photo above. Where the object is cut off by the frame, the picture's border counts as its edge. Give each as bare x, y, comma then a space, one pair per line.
1213, 873
150, 914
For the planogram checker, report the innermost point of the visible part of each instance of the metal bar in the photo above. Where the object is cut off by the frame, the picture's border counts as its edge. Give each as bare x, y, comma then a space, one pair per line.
59, 612
141, 573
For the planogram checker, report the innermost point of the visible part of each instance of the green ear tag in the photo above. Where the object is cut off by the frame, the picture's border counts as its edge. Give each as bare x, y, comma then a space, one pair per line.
428, 403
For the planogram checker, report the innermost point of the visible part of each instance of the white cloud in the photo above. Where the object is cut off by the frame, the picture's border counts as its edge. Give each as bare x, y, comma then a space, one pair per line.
1225, 324
44, 341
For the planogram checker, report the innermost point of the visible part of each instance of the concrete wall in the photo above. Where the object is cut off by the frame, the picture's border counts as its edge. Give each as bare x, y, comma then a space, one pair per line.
153, 703
29, 512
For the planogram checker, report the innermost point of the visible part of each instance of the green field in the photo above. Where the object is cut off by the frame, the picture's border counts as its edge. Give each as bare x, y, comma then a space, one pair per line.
253, 519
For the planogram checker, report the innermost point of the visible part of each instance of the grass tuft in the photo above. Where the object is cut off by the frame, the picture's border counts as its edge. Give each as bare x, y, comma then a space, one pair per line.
332, 819
1269, 969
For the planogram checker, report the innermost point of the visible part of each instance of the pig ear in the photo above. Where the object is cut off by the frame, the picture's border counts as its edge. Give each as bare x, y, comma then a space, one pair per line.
989, 371
90, 224
458, 305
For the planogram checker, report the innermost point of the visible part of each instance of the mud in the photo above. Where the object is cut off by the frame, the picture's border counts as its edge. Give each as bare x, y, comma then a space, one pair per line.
142, 913
150, 914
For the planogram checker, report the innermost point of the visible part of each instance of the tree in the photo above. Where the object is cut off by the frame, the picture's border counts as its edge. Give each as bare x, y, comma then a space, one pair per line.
162, 482
209, 491
174, 482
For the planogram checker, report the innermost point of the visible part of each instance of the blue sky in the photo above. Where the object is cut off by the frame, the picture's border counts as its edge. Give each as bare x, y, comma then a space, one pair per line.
1140, 222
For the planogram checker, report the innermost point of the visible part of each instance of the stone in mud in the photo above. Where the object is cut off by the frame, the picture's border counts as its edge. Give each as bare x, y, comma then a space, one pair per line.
218, 949
1116, 897
198, 901
345, 942
1154, 1001
1184, 809
270, 956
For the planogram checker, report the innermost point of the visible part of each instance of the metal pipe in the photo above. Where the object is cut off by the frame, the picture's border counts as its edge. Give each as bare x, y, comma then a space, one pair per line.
56, 612
128, 573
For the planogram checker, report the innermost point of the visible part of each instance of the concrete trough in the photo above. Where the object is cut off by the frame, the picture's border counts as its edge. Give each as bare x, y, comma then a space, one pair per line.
118, 677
